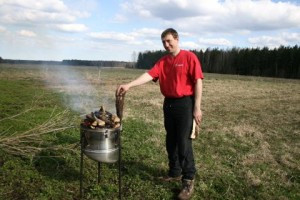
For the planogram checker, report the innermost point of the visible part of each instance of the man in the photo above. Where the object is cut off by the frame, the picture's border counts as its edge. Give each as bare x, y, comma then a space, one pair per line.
180, 78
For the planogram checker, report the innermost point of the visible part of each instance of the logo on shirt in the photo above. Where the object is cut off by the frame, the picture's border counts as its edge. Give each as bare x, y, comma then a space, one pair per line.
178, 65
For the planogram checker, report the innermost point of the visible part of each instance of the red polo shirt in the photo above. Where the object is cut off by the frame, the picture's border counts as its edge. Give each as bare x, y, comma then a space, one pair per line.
177, 75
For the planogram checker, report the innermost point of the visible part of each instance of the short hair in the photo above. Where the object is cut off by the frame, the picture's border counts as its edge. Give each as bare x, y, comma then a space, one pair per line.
171, 31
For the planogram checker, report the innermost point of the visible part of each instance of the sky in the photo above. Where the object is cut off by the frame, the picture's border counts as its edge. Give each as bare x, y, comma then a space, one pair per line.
120, 29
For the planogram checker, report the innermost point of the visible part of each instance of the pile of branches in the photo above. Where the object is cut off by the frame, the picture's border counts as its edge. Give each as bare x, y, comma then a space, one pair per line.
31, 142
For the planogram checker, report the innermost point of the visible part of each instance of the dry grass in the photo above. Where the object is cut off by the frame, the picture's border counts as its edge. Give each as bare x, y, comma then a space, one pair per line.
250, 135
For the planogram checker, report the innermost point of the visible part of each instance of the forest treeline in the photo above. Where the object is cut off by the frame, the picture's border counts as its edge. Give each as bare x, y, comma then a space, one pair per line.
282, 62
97, 63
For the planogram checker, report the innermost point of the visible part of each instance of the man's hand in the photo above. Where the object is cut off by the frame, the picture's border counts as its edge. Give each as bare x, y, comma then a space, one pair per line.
122, 89
197, 115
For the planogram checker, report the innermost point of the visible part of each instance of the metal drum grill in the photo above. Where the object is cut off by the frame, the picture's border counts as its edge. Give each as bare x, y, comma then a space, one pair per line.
100, 139
101, 144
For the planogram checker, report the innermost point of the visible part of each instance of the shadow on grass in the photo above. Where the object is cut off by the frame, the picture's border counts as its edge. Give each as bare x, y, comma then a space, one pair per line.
59, 168
55, 166
148, 173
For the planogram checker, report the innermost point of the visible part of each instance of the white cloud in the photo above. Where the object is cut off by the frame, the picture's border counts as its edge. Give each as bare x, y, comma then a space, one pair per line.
149, 38
113, 36
136, 8
27, 33
146, 37
171, 9
151, 33
263, 15
41, 15
189, 45
275, 41
137, 40
219, 16
31, 11
119, 18
72, 27
49, 5
214, 42
291, 37
2, 29
137, 36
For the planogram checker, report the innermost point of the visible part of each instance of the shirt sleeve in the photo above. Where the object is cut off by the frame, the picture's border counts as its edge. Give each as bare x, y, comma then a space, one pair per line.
195, 70
154, 71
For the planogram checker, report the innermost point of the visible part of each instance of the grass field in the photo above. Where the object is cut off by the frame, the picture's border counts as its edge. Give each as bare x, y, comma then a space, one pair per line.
248, 148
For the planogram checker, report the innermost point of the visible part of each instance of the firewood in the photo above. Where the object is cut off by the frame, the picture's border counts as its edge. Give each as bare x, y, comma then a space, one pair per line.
95, 123
102, 110
100, 122
119, 105
108, 122
92, 127
195, 130
115, 119
90, 117
117, 125
102, 119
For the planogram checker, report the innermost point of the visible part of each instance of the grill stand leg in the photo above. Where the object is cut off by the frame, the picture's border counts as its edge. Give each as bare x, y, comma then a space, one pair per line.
99, 174
120, 188
81, 165
82, 145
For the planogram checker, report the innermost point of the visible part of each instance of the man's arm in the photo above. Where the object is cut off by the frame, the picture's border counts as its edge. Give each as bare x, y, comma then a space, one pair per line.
144, 78
198, 96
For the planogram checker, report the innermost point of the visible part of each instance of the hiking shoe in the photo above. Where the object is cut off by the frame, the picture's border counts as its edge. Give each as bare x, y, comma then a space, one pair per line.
169, 178
187, 189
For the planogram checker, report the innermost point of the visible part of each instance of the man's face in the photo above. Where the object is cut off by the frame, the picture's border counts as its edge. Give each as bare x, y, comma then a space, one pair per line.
170, 43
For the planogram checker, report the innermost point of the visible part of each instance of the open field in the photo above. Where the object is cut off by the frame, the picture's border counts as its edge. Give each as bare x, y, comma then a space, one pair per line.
248, 148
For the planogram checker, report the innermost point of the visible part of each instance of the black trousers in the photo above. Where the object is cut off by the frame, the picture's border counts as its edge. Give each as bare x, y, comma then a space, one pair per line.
178, 120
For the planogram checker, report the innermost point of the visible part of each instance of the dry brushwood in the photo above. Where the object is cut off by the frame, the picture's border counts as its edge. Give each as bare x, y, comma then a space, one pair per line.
32, 106
31, 142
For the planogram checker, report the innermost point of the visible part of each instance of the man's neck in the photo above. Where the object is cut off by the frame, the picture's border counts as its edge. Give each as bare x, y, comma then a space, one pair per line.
176, 52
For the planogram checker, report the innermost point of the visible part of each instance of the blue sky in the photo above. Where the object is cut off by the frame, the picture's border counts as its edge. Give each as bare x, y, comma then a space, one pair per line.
119, 29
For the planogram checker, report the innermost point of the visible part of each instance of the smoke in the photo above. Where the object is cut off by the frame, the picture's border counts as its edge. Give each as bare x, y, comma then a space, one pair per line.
77, 88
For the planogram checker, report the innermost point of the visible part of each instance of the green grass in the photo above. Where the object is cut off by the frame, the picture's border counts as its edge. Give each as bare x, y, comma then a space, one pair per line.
248, 147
